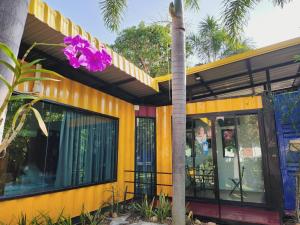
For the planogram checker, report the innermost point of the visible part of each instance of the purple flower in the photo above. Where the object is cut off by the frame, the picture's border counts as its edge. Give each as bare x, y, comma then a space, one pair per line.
80, 52
78, 42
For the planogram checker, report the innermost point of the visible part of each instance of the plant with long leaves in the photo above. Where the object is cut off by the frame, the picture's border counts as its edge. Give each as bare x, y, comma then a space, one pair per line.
235, 13
78, 51
113, 11
21, 70
212, 42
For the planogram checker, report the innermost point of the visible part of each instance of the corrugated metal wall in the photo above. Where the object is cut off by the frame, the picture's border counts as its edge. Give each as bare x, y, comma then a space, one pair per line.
71, 201
287, 115
163, 129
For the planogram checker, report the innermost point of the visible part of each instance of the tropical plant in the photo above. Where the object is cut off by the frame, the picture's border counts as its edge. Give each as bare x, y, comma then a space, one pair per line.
148, 47
78, 51
163, 209
236, 11
212, 42
87, 218
20, 71
116, 204
144, 208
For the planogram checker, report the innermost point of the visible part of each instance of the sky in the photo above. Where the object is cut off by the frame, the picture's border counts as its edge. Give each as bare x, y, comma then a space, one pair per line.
266, 24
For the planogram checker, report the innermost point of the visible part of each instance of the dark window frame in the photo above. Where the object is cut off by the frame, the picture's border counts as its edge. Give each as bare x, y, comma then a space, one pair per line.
265, 163
55, 190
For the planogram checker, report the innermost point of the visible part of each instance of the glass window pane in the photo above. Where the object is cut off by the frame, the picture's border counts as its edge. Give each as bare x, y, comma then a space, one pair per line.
228, 161
81, 149
250, 159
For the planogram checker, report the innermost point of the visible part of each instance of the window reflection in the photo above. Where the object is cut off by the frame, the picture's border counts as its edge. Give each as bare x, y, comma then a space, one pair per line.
80, 149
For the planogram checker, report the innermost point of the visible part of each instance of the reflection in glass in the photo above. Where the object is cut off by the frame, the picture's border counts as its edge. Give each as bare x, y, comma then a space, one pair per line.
227, 157
240, 159
250, 159
199, 162
81, 149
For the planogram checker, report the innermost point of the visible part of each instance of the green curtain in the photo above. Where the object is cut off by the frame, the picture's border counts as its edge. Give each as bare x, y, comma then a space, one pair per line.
87, 149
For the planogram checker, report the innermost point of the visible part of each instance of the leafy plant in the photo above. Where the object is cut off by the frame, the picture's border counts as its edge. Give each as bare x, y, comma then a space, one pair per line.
114, 201
22, 220
145, 209
163, 209
20, 71
86, 218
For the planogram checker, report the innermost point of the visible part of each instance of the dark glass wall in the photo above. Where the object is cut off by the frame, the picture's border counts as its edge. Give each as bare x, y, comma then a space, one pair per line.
81, 149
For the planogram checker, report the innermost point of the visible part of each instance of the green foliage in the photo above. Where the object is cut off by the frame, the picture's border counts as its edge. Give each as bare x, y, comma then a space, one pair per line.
163, 209
146, 46
235, 14
22, 220
87, 218
43, 219
113, 11
145, 208
212, 42
20, 71
115, 203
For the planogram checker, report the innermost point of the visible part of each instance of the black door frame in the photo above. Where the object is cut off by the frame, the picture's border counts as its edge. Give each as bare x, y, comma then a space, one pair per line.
136, 171
265, 167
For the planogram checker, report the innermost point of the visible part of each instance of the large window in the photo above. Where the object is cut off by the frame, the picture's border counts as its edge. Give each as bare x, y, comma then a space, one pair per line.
81, 149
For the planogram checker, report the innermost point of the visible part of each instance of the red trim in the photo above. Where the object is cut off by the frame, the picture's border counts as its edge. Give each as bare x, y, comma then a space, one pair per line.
146, 111
236, 213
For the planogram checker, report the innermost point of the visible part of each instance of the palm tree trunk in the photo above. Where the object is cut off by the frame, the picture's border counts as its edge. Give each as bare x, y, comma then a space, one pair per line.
13, 15
179, 112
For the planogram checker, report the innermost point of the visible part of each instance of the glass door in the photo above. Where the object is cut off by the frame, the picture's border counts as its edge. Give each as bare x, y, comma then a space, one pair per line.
145, 157
239, 157
200, 169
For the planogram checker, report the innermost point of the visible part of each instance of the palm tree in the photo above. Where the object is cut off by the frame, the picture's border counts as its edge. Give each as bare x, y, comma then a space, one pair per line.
236, 11
13, 14
112, 11
212, 42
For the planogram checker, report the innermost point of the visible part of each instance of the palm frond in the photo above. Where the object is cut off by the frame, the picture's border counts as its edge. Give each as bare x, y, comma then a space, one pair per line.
281, 3
192, 4
235, 14
112, 12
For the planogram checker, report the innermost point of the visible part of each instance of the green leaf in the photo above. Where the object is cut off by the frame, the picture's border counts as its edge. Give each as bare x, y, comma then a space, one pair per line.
10, 67
5, 82
31, 63
28, 79
40, 121
17, 114
41, 71
297, 58
7, 51
22, 97
112, 11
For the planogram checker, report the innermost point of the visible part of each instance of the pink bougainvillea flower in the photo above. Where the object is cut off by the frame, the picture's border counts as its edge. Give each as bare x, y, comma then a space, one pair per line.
80, 52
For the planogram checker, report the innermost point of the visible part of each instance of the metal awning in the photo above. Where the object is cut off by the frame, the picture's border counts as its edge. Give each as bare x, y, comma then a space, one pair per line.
122, 79
270, 68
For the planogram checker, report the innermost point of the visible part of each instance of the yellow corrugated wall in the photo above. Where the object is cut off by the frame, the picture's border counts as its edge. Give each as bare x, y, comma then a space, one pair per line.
163, 129
71, 201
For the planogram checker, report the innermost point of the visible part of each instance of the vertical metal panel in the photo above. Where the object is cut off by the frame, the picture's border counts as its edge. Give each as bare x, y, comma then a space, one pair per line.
163, 129
287, 110
71, 201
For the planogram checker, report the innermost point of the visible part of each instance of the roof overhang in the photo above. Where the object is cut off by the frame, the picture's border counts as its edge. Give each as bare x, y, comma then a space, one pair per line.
253, 72
121, 79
